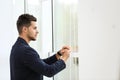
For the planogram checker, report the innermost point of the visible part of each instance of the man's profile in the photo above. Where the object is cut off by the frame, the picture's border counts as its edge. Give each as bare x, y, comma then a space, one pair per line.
25, 62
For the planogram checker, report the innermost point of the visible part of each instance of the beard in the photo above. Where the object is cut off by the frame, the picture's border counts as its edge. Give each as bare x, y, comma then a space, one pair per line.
31, 35
31, 38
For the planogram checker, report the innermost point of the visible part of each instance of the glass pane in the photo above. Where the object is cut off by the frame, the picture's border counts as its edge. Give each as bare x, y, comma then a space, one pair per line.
65, 22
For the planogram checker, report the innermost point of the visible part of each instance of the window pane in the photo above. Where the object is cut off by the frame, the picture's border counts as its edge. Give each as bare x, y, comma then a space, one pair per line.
66, 24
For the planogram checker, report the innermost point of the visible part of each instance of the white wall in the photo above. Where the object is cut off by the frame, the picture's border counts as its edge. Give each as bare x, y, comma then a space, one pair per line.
8, 33
99, 39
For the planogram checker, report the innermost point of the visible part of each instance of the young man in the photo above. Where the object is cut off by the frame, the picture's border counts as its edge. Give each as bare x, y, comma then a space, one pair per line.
25, 63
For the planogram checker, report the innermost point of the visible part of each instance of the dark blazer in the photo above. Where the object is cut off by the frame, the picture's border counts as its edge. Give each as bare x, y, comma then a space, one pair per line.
25, 63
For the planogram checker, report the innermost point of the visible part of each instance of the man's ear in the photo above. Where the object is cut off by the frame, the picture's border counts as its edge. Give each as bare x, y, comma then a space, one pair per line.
24, 29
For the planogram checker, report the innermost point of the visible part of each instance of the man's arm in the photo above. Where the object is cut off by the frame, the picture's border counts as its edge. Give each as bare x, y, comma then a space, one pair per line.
31, 60
61, 54
51, 59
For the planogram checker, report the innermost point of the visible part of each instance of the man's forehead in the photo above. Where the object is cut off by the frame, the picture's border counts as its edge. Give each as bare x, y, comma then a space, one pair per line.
33, 23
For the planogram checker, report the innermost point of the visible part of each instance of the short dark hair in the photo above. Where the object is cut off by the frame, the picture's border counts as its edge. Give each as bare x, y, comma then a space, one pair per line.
24, 20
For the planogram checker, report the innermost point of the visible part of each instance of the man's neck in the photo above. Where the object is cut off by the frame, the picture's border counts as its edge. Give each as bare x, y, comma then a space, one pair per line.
25, 38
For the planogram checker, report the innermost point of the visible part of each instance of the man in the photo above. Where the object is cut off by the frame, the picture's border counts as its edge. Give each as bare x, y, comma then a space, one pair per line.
25, 63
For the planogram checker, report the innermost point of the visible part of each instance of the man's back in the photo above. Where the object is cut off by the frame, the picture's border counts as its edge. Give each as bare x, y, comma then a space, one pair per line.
19, 71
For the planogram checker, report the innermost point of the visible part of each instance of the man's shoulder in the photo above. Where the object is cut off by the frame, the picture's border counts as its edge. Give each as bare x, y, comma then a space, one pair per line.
21, 43
22, 50
21, 46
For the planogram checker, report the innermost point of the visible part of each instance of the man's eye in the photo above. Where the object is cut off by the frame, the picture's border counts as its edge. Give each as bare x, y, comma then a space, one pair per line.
35, 27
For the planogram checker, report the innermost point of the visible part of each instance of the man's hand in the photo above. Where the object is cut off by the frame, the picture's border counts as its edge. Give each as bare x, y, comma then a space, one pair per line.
65, 52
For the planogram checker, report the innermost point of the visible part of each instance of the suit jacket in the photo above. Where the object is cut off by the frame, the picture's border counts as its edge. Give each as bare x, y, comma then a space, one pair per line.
26, 64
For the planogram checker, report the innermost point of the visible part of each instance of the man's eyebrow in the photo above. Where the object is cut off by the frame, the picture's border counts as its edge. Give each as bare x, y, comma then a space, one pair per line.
35, 26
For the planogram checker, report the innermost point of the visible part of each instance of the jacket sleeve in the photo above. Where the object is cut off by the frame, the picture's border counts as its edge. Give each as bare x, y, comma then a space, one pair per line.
50, 60
32, 60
